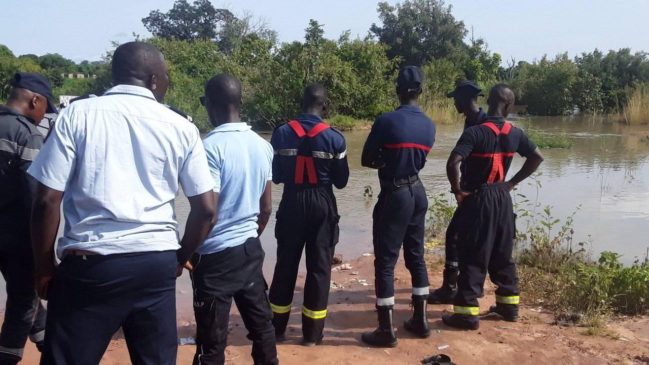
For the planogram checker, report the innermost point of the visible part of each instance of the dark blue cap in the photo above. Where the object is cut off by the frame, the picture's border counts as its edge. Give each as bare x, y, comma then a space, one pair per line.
410, 77
465, 88
36, 83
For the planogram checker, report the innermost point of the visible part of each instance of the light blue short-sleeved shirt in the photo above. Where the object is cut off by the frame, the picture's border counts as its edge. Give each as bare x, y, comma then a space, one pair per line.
241, 164
120, 159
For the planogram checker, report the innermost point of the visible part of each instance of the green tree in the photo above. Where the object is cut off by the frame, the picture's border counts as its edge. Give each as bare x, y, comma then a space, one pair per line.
418, 31
185, 21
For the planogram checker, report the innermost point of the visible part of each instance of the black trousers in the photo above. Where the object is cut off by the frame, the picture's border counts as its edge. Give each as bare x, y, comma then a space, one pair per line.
92, 296
399, 218
307, 219
486, 240
218, 278
450, 245
22, 315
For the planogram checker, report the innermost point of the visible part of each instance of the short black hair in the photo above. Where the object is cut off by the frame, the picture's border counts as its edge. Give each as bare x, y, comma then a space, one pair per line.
315, 95
135, 60
223, 90
501, 93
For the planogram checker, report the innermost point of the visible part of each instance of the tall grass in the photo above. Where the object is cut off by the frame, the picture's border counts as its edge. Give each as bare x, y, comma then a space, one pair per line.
347, 123
441, 109
636, 110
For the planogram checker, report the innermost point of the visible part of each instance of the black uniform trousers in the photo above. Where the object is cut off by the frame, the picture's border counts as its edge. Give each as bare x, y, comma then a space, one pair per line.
22, 316
486, 240
307, 219
399, 218
217, 278
91, 296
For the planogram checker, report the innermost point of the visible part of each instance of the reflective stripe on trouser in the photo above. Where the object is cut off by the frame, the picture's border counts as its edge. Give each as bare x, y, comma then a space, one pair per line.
399, 219
486, 219
280, 309
467, 311
511, 299
307, 219
320, 314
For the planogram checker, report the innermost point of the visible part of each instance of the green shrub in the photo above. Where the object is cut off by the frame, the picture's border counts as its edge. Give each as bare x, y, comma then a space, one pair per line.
548, 140
346, 123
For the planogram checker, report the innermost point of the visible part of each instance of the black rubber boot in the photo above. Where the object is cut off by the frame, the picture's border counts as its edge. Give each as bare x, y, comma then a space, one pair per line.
446, 293
280, 321
312, 331
418, 324
509, 312
383, 336
461, 321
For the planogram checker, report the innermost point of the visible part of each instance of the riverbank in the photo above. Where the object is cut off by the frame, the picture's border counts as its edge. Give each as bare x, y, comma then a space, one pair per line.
534, 340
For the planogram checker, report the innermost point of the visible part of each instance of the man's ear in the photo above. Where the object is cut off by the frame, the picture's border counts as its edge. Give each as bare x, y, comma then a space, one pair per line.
33, 102
153, 82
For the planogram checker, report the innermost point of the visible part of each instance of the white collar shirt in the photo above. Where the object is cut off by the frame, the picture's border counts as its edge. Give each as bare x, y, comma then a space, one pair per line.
120, 160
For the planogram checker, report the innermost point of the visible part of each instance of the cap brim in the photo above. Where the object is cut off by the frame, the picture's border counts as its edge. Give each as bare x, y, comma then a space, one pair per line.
51, 108
451, 94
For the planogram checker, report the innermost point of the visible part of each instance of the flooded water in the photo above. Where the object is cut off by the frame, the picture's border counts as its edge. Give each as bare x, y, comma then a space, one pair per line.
605, 172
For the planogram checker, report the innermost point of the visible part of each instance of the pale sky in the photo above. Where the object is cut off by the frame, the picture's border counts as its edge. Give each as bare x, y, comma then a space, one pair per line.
522, 29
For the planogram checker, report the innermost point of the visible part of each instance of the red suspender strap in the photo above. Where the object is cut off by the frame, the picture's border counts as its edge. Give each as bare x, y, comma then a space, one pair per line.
306, 162
297, 128
497, 173
317, 129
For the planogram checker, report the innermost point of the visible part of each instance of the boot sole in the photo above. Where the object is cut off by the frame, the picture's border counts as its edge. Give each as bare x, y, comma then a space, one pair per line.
416, 333
386, 346
462, 327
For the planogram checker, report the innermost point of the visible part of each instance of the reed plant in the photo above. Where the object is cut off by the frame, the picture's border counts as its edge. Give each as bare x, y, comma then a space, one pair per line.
636, 110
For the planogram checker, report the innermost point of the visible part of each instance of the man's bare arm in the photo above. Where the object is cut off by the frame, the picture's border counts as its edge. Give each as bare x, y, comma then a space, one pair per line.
532, 163
265, 208
201, 220
46, 215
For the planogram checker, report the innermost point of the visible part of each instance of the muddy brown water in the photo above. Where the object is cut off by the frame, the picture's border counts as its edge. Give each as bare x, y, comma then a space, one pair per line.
605, 173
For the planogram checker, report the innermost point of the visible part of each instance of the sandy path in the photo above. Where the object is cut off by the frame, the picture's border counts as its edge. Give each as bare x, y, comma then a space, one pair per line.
534, 340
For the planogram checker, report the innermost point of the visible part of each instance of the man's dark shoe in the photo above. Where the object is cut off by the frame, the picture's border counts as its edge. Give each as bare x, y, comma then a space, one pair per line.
309, 343
280, 338
383, 336
418, 324
509, 312
461, 321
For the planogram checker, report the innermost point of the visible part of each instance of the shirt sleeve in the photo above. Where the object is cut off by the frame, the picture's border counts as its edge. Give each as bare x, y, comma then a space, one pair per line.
525, 145
465, 144
31, 146
194, 174
56, 160
340, 167
372, 147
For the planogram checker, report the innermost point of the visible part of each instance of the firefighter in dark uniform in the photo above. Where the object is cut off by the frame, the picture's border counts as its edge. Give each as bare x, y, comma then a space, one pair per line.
20, 142
310, 158
465, 97
397, 146
484, 219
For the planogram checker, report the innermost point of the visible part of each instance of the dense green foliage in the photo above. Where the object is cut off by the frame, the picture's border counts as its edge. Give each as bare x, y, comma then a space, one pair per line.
199, 40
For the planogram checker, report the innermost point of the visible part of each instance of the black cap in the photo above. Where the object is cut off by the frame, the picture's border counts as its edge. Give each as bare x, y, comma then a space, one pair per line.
36, 83
465, 88
410, 77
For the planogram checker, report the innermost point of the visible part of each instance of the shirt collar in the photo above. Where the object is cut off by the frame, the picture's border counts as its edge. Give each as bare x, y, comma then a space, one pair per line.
232, 127
409, 107
304, 117
494, 119
130, 90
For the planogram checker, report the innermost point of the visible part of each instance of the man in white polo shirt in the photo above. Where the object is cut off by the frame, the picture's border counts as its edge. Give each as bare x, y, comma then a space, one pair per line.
229, 264
116, 162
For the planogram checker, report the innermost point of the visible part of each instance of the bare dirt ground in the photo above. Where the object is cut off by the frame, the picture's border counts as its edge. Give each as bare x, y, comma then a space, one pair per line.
533, 340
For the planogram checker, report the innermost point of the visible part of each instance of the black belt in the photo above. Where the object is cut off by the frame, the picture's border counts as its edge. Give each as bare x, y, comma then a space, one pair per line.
397, 183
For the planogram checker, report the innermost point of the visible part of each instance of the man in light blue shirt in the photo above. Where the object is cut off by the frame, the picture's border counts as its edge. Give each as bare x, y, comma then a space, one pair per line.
120, 159
229, 264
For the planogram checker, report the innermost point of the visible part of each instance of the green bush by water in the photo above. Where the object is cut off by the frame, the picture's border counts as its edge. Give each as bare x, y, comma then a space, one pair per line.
547, 140
346, 123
